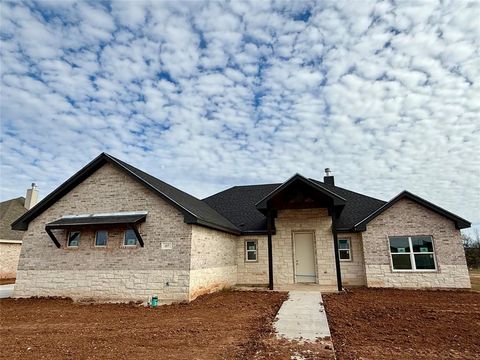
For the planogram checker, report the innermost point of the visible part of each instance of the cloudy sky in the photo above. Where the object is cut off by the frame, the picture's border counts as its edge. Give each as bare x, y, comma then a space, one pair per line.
209, 95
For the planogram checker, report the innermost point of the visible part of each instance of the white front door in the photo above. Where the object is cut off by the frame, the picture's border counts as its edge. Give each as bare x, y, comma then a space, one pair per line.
304, 258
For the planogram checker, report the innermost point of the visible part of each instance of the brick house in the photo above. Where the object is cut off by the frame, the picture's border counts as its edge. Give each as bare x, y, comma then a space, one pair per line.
11, 240
114, 232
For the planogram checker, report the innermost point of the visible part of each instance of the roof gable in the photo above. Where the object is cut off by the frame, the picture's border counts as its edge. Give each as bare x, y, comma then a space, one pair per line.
194, 210
460, 223
297, 178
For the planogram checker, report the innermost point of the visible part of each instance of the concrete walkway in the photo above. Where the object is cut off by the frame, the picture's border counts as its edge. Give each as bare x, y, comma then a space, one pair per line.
6, 291
302, 317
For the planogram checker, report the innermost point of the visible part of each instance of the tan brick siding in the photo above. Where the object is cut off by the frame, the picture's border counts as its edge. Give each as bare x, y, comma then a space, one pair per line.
9, 255
252, 273
105, 285
212, 263
408, 218
108, 190
289, 221
286, 223
353, 272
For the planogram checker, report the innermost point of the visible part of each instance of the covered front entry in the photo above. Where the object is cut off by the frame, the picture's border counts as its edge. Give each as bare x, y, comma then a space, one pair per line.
299, 194
304, 257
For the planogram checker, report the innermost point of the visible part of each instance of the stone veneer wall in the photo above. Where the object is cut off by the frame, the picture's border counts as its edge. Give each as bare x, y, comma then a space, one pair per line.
252, 273
9, 254
409, 218
213, 264
115, 272
289, 221
353, 271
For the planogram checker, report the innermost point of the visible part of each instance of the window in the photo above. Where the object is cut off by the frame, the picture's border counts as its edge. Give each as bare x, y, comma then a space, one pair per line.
412, 253
73, 239
251, 250
130, 238
344, 251
101, 238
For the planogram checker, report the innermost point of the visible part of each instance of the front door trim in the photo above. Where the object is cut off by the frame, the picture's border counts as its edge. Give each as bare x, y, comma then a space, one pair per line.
314, 253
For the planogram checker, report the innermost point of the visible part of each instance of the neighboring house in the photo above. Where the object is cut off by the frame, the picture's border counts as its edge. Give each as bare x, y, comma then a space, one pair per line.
11, 240
114, 232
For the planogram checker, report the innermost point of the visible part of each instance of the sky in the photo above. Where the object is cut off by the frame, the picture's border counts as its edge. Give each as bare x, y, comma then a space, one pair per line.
207, 95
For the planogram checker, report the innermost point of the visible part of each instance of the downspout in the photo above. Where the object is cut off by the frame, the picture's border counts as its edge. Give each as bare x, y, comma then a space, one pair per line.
335, 246
269, 245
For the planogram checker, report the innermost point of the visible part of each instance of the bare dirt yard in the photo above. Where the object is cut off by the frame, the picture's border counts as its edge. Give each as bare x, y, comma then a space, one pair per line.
224, 325
404, 324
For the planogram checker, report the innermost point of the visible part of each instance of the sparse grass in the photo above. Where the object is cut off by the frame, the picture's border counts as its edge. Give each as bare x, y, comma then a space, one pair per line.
475, 279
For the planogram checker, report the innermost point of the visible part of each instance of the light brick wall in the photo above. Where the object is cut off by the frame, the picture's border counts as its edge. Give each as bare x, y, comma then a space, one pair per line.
353, 272
162, 272
9, 255
212, 263
252, 273
289, 221
408, 218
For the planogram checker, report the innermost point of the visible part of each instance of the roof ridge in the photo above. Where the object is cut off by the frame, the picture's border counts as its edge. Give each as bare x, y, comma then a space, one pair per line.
123, 163
344, 189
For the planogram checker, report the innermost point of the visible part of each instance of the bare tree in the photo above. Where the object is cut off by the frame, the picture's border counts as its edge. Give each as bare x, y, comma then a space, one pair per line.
471, 244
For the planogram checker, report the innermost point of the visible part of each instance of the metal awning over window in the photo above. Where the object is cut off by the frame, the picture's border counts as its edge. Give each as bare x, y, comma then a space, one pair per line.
129, 219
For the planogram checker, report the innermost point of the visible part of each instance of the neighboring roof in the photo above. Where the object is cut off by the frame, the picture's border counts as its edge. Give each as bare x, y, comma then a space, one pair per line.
237, 204
98, 219
9, 211
318, 187
194, 210
460, 223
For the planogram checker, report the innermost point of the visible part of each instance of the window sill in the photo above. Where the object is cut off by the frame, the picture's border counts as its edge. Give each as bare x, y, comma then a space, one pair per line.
346, 260
414, 271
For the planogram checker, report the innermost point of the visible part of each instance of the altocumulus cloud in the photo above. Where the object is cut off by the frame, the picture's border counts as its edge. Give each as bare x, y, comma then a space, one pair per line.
205, 95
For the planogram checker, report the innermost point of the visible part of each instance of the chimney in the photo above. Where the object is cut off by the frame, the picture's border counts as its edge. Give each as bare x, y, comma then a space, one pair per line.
32, 197
328, 178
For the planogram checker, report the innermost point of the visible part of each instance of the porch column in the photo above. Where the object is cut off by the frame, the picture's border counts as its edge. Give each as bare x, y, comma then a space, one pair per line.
270, 254
335, 246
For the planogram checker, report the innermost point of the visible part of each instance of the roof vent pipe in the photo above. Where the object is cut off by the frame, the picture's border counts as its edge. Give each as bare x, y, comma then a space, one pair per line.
328, 178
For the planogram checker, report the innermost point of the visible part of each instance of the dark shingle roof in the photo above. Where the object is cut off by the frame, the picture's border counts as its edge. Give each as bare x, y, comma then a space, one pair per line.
194, 210
196, 207
357, 207
9, 211
237, 204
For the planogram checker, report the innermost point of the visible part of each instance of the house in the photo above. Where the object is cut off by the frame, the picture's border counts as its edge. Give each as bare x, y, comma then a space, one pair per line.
11, 240
114, 232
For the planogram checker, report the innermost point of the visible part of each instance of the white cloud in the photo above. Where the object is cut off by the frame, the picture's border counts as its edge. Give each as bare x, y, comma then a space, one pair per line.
206, 95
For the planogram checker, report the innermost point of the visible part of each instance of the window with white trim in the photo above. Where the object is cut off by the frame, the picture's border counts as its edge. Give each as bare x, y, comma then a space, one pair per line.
251, 250
101, 238
412, 253
130, 238
73, 239
344, 251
